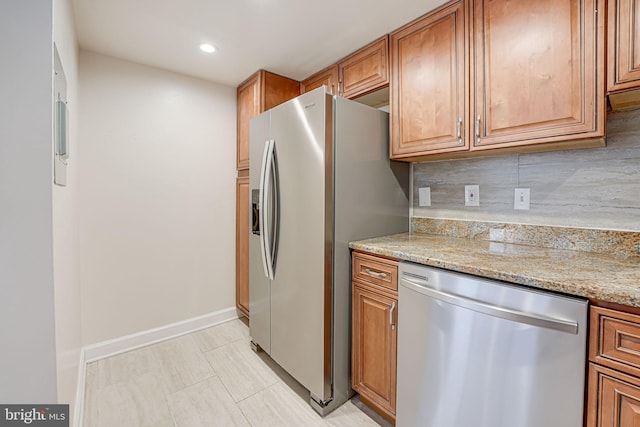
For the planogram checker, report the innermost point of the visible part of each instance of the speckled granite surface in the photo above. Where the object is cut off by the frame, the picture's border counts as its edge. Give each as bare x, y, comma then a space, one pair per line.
614, 242
604, 277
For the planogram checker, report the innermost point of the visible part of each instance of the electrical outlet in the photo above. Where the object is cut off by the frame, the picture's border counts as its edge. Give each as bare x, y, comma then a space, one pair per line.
496, 234
424, 196
472, 195
521, 199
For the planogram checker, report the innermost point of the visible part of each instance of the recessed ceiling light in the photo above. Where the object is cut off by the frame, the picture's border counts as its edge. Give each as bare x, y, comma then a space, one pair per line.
206, 47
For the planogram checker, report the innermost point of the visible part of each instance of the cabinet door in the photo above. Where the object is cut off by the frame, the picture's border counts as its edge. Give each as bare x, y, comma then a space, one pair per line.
242, 244
624, 45
248, 107
429, 83
365, 70
327, 77
614, 399
538, 71
374, 348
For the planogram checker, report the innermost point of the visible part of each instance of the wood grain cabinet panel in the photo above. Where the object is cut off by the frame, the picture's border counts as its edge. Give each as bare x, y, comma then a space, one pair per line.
623, 81
538, 71
375, 270
624, 45
248, 107
327, 77
429, 83
365, 70
613, 397
374, 314
257, 94
242, 244
374, 349
513, 76
615, 340
616, 398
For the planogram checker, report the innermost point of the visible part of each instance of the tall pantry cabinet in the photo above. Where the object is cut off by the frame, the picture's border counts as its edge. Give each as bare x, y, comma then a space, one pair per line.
260, 92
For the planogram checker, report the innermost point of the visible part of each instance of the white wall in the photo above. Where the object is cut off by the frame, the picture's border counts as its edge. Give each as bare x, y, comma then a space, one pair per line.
27, 341
65, 222
157, 197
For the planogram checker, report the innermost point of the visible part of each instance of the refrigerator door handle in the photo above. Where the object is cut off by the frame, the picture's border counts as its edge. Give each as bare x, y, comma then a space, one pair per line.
268, 220
274, 193
263, 209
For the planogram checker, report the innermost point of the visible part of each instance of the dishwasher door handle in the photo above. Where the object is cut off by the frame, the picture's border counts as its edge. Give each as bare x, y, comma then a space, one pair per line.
420, 285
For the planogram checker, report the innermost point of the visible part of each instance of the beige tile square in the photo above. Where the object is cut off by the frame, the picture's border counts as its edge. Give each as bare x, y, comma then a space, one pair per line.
241, 370
279, 406
181, 363
124, 366
205, 404
219, 335
139, 402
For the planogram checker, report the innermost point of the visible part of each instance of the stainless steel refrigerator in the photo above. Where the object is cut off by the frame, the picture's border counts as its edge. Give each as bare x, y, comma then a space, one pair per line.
320, 176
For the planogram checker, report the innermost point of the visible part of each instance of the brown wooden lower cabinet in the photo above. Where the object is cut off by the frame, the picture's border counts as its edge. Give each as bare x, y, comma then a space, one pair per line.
242, 244
617, 398
374, 346
614, 369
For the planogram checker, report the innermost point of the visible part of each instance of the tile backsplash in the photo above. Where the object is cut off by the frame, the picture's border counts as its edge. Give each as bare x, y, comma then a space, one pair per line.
590, 188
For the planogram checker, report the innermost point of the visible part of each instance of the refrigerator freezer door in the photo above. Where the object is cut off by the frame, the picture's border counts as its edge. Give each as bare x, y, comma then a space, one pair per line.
259, 284
301, 291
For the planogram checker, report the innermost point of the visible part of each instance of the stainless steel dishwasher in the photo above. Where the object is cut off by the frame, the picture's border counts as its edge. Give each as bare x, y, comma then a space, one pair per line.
479, 353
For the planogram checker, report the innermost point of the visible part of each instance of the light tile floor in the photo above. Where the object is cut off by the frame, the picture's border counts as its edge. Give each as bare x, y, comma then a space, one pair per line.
206, 378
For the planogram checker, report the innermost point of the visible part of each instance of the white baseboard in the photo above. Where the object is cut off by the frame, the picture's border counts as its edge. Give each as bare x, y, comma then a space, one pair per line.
151, 336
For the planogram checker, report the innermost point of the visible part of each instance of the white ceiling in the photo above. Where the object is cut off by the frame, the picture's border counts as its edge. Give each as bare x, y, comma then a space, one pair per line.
294, 38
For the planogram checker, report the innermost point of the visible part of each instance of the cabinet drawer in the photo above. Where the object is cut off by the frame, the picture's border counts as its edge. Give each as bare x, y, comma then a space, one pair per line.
378, 271
615, 340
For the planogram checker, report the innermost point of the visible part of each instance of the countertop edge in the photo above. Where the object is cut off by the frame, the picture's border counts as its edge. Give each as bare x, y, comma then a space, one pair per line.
587, 288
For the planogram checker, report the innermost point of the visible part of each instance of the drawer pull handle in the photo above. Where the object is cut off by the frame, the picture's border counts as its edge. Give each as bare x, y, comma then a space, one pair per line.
393, 307
371, 273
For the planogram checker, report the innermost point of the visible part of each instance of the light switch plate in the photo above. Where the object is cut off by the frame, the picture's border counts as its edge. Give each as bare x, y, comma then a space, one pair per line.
472, 195
424, 196
521, 199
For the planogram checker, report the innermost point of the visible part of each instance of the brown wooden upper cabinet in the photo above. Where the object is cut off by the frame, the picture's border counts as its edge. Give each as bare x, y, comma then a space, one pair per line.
260, 92
327, 77
536, 78
364, 71
624, 53
430, 83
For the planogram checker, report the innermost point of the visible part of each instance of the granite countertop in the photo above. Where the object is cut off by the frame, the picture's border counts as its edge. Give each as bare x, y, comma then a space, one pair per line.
604, 277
